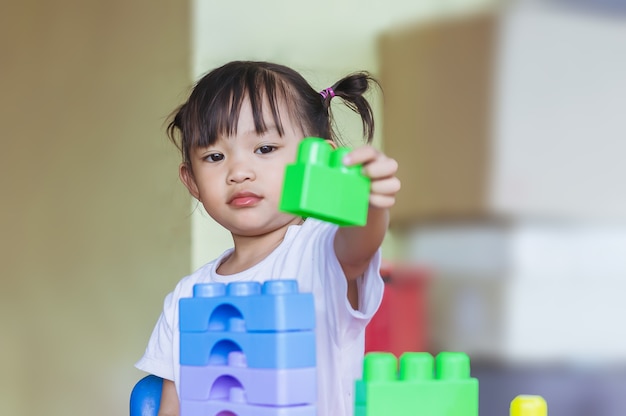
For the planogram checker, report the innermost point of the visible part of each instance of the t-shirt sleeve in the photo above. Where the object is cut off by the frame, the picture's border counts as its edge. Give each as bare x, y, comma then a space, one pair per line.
349, 322
157, 358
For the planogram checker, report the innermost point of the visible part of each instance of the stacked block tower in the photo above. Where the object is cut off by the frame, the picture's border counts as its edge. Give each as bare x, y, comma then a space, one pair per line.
319, 185
421, 385
247, 349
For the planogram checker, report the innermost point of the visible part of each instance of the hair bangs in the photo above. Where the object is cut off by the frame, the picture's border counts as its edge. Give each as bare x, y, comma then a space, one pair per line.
217, 116
275, 93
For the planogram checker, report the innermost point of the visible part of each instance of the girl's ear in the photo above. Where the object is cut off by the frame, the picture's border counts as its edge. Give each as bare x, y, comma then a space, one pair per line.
186, 176
331, 143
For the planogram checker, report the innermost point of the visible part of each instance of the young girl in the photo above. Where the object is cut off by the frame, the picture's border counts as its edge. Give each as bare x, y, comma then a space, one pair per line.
238, 130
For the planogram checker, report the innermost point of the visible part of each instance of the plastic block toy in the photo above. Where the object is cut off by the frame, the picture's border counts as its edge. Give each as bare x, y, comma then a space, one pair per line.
266, 322
418, 388
145, 398
319, 185
236, 406
247, 349
274, 306
401, 322
281, 387
262, 349
527, 405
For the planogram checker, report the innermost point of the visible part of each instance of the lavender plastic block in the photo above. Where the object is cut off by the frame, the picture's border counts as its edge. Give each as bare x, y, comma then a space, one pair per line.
269, 387
215, 408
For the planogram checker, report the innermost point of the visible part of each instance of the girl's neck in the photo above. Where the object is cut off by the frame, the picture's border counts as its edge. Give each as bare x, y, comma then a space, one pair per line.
251, 250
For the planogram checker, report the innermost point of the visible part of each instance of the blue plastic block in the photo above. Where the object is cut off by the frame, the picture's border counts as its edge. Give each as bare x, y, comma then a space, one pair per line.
319, 185
145, 398
274, 306
293, 349
232, 408
262, 386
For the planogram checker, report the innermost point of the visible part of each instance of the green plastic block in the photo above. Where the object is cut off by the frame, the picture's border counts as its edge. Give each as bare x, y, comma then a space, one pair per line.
423, 386
318, 185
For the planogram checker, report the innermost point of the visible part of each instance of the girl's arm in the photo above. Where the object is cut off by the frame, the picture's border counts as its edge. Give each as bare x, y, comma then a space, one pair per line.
169, 399
355, 246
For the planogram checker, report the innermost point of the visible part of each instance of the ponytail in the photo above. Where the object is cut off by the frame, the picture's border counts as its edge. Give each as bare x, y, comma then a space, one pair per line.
351, 89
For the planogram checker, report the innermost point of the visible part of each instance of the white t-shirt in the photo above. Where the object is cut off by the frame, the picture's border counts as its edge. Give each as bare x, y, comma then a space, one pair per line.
307, 255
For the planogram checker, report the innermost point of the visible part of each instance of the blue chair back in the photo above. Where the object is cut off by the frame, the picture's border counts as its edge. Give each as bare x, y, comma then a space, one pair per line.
145, 398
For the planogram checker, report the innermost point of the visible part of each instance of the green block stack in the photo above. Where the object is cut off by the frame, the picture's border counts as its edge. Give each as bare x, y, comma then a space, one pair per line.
418, 388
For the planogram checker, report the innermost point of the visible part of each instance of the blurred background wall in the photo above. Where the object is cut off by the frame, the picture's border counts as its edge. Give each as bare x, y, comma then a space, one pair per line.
509, 130
513, 123
95, 228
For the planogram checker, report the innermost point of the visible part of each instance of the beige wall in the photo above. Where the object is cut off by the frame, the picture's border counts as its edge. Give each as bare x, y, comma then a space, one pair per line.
94, 225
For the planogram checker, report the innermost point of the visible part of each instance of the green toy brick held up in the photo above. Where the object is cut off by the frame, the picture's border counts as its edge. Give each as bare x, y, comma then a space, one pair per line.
319, 185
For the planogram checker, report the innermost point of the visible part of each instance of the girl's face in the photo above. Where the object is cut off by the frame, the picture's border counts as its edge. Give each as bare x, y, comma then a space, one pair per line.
239, 178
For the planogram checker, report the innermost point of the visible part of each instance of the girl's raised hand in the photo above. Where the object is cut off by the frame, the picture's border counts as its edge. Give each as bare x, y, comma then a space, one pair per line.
381, 170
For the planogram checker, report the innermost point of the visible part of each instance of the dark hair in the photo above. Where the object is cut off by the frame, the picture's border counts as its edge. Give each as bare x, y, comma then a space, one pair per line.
213, 107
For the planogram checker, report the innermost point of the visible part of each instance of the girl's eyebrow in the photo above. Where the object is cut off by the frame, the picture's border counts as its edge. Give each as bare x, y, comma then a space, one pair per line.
268, 128
201, 150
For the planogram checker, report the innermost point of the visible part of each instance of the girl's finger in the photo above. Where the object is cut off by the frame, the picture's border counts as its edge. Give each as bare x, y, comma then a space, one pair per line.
387, 186
382, 167
382, 201
361, 155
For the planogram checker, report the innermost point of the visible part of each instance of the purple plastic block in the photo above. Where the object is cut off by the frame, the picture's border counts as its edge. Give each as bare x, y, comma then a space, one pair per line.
222, 408
273, 387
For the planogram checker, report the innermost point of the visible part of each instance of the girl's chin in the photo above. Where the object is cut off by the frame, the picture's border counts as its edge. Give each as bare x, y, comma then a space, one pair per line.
249, 229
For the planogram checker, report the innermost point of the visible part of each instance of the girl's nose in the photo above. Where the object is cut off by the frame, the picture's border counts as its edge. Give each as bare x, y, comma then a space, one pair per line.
241, 172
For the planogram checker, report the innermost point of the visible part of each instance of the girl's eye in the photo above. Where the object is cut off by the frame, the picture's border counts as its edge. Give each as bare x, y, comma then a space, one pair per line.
215, 157
265, 149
